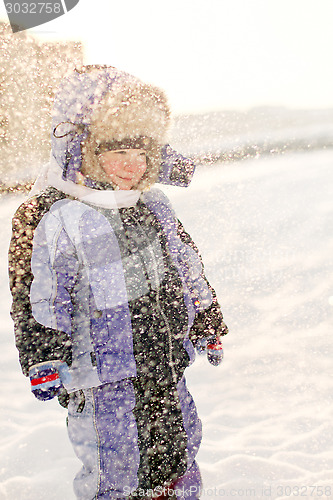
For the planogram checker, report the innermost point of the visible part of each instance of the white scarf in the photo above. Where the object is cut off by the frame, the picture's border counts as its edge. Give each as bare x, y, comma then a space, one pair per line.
51, 175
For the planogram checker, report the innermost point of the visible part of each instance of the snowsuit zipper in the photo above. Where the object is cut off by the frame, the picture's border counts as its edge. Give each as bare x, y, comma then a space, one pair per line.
160, 309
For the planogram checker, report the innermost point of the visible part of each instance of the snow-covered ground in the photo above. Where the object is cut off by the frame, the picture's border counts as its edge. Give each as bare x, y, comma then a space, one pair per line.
265, 229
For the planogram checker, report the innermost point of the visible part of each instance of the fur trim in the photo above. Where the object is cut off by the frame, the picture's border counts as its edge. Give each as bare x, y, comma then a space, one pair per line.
133, 110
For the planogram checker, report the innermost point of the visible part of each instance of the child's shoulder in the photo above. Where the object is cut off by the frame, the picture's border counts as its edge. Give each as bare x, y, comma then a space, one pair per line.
158, 202
155, 195
34, 207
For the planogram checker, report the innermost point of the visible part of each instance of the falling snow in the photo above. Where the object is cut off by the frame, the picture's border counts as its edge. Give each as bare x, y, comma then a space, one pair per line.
264, 228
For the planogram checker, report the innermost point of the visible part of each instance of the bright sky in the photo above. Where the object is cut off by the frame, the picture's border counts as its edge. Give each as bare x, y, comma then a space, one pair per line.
211, 54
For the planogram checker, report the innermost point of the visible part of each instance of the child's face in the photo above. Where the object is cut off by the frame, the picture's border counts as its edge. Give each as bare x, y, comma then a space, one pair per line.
123, 167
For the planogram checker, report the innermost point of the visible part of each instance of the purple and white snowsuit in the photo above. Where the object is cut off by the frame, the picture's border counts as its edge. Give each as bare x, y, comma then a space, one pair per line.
110, 283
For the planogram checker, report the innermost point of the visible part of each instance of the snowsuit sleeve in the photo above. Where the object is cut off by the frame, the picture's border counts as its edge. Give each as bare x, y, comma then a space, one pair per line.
209, 321
36, 340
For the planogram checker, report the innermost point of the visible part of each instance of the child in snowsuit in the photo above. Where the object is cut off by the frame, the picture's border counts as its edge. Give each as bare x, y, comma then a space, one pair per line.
109, 295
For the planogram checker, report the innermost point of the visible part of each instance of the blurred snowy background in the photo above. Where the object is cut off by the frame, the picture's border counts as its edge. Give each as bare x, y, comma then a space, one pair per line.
251, 86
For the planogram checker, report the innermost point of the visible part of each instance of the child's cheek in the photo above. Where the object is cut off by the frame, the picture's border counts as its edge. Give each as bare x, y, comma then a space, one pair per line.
143, 168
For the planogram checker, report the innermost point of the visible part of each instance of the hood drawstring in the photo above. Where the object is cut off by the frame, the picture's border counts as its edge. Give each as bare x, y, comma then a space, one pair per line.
68, 158
78, 129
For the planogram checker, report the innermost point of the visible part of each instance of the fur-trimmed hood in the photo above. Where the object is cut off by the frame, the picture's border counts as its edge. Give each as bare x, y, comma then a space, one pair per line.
97, 102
